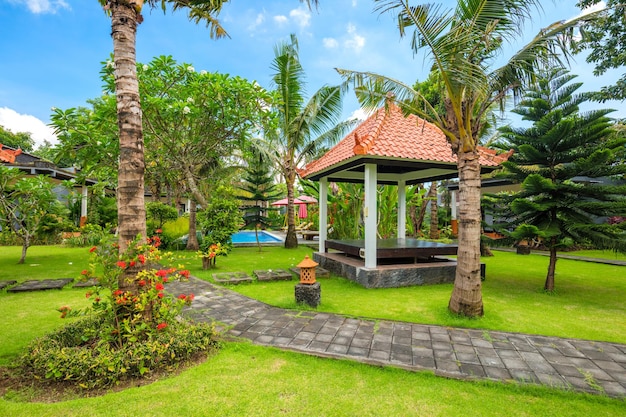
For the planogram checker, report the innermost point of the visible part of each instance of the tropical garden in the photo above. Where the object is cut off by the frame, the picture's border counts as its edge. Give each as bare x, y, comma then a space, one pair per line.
184, 158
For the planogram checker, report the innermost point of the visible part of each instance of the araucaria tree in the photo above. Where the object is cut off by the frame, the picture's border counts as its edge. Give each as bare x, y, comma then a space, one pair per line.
567, 165
466, 45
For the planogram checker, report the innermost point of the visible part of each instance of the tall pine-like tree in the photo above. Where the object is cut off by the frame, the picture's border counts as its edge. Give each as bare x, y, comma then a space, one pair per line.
566, 162
260, 189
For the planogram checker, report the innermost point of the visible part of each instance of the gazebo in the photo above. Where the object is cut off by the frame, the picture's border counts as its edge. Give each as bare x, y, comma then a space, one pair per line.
387, 148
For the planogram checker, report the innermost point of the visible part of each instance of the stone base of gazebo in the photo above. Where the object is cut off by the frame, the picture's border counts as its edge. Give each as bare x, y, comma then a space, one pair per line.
390, 275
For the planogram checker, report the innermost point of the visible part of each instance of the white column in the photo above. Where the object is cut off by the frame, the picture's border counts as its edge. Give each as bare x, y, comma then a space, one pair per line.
453, 204
323, 220
83, 205
370, 215
401, 209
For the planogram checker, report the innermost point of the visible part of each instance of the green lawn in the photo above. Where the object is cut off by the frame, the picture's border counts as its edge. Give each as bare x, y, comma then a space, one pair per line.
244, 380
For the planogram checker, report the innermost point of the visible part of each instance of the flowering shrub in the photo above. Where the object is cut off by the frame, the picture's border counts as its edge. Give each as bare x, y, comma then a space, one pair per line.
132, 325
210, 252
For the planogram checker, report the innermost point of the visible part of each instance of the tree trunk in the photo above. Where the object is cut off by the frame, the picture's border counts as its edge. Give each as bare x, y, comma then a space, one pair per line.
192, 186
291, 240
130, 189
549, 285
466, 297
25, 246
422, 214
192, 237
434, 219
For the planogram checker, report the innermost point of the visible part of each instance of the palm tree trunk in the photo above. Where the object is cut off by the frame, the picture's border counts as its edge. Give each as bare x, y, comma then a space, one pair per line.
549, 285
291, 240
130, 190
466, 297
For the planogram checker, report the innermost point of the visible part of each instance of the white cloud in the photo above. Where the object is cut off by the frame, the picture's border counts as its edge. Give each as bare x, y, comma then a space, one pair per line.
355, 41
260, 18
360, 114
43, 6
16, 122
330, 43
280, 19
301, 16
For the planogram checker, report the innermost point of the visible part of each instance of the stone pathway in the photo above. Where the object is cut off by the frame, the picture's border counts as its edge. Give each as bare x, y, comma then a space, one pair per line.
44, 284
595, 367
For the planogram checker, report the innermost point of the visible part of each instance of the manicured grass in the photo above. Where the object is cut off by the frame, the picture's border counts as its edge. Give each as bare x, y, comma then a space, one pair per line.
42, 262
602, 254
246, 380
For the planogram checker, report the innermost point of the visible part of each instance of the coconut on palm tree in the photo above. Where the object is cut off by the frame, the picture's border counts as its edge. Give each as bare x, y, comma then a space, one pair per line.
465, 45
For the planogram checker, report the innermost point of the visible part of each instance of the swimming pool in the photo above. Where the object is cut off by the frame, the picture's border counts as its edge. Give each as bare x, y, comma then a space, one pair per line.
248, 236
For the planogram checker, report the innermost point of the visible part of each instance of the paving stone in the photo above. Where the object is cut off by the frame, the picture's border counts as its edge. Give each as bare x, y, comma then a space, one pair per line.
614, 389
231, 278
381, 346
323, 338
358, 351
472, 370
497, 373
424, 362
468, 358
40, 285
381, 355
5, 284
361, 343
337, 348
447, 366
91, 282
319, 345
422, 352
492, 361
272, 275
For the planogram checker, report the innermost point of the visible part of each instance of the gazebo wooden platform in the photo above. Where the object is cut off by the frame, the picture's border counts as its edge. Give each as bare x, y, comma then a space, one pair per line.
407, 248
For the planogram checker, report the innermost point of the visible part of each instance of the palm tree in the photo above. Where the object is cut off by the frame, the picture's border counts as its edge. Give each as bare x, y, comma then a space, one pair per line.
303, 127
125, 15
464, 44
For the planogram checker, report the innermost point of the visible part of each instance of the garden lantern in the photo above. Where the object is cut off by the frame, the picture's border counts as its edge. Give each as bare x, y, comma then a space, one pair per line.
307, 270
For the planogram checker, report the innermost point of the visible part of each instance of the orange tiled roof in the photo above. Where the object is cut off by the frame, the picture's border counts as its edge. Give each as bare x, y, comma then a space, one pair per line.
389, 134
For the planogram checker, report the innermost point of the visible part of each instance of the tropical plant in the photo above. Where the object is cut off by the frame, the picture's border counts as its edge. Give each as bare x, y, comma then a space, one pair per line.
25, 203
259, 189
605, 37
567, 166
465, 45
302, 127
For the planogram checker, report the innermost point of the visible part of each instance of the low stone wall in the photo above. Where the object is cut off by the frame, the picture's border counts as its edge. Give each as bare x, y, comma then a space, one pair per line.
388, 276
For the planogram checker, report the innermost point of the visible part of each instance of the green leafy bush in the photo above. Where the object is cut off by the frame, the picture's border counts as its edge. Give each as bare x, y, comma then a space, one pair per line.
70, 354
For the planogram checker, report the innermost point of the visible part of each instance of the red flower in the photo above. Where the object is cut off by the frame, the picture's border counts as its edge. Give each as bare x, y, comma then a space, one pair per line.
132, 263
161, 273
158, 231
184, 273
165, 279
93, 249
160, 295
182, 297
161, 326
121, 264
190, 297
159, 287
88, 294
118, 292
142, 282
141, 258
84, 272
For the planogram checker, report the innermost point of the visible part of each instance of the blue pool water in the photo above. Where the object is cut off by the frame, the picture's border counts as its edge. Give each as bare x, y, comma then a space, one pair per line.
248, 236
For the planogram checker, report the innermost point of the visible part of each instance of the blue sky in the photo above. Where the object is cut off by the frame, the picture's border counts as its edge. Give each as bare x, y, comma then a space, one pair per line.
52, 49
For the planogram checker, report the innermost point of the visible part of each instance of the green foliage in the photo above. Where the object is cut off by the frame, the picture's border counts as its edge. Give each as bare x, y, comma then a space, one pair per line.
20, 140
605, 37
259, 189
90, 235
160, 212
218, 222
28, 206
129, 332
67, 354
